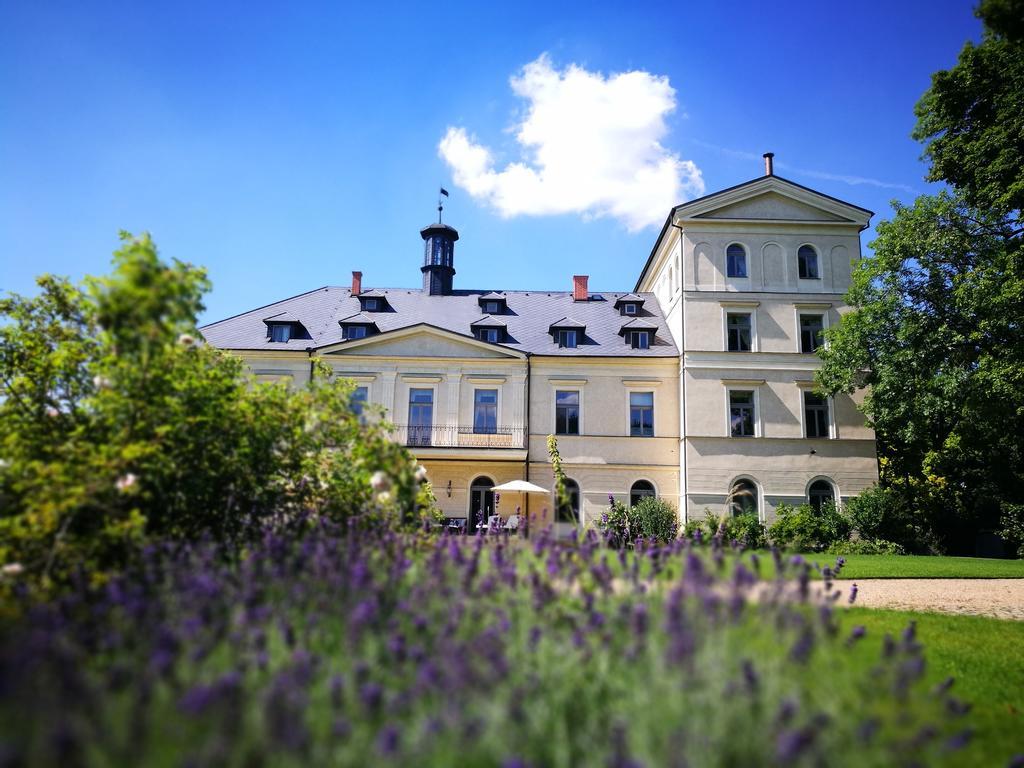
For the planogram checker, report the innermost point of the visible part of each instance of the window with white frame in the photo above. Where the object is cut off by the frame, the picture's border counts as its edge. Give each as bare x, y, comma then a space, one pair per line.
811, 329
739, 332
629, 308
567, 412
485, 411
371, 305
743, 498
640, 490
492, 335
641, 414
280, 332
492, 307
736, 261
358, 400
807, 263
640, 339
816, 415
567, 338
742, 413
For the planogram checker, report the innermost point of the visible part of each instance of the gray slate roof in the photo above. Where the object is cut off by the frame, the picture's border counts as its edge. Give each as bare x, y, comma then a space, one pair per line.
528, 320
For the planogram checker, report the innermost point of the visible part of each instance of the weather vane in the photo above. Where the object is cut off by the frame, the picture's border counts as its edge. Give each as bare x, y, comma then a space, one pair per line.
440, 203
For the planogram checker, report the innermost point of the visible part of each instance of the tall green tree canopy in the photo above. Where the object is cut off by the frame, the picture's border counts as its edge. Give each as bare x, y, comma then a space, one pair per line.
935, 331
972, 117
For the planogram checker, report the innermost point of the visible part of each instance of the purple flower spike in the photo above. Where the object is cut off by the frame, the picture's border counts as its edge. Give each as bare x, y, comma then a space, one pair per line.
792, 743
853, 594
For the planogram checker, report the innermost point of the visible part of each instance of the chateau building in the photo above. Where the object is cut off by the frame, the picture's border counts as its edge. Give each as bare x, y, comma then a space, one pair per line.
696, 386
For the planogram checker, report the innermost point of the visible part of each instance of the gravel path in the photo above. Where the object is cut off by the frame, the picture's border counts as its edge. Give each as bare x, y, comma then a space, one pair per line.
1001, 598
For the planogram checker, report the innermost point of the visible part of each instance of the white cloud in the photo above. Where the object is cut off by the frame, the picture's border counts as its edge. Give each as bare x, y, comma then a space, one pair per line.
590, 144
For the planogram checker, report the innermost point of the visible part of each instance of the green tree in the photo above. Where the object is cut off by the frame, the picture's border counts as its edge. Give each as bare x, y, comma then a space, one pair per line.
117, 424
972, 117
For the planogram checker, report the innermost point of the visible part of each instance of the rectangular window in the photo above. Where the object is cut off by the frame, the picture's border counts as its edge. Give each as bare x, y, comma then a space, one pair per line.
359, 397
421, 416
629, 309
485, 411
491, 307
641, 414
741, 414
280, 332
811, 327
567, 412
567, 339
370, 305
490, 334
640, 339
738, 326
815, 415
355, 332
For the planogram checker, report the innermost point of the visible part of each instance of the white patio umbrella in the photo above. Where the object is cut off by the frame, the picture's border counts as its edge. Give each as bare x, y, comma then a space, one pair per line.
524, 487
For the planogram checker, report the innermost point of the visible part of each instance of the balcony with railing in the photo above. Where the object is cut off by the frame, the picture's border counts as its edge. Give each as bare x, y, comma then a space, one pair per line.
454, 436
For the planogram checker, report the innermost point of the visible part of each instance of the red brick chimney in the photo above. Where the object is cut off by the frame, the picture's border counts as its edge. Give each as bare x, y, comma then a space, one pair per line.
357, 283
579, 287
769, 169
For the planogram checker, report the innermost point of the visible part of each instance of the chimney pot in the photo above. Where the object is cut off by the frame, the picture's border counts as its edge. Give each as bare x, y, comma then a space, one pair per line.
769, 169
579, 287
357, 283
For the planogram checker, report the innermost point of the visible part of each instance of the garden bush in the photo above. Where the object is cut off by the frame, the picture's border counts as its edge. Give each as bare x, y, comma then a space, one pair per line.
650, 518
377, 648
805, 529
746, 530
866, 547
117, 425
883, 513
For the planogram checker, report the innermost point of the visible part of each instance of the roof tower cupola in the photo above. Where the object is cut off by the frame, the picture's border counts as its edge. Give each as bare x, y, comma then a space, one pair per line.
438, 255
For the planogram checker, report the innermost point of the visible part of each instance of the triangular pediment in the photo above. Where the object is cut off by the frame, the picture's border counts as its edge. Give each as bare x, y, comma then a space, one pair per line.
771, 198
421, 340
771, 206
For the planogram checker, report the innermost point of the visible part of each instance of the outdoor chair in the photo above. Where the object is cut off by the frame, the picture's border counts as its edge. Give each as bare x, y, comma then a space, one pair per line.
493, 524
511, 525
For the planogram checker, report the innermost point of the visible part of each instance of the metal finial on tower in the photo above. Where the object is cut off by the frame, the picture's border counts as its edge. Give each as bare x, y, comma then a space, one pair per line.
440, 203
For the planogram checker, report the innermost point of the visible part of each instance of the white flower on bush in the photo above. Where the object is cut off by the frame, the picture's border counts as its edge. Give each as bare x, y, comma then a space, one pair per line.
384, 497
101, 382
380, 481
126, 482
12, 569
4, 463
186, 340
421, 473
52, 412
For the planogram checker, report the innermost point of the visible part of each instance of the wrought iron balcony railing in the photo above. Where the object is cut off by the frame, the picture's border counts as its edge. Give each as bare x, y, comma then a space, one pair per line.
452, 436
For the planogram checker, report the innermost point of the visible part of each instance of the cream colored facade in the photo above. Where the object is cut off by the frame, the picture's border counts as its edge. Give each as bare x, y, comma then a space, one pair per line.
426, 379
771, 219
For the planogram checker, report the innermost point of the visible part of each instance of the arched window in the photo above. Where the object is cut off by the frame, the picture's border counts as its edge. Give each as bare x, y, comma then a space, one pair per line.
820, 493
570, 513
736, 261
481, 502
743, 498
807, 263
641, 489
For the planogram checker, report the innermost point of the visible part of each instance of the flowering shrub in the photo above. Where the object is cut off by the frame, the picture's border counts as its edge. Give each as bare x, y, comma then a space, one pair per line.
117, 425
377, 648
746, 531
649, 519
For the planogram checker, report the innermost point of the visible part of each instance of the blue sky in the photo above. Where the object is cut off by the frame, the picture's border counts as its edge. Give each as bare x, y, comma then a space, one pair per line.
284, 145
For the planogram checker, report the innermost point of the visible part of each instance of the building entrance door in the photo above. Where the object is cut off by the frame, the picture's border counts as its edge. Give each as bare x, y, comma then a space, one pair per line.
481, 503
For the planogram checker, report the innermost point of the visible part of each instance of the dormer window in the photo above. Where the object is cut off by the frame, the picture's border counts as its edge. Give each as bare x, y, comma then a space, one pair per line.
357, 327
283, 327
631, 304
372, 301
640, 339
491, 335
280, 331
568, 333
493, 304
354, 331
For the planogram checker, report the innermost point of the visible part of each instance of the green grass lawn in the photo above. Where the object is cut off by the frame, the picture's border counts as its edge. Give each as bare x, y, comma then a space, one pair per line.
982, 654
922, 567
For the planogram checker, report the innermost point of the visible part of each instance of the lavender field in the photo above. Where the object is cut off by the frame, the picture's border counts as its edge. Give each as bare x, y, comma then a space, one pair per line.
395, 649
